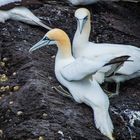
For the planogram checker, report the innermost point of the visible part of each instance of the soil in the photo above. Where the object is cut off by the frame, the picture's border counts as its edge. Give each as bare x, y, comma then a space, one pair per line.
30, 109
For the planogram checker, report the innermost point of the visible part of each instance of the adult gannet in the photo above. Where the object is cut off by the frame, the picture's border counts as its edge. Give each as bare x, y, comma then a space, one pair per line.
22, 14
82, 47
87, 2
75, 75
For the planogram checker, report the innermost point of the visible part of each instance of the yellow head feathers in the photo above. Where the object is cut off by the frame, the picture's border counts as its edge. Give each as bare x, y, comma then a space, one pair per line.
62, 40
57, 35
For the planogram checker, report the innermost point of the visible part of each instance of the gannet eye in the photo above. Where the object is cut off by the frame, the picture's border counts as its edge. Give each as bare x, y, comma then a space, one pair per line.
86, 18
46, 38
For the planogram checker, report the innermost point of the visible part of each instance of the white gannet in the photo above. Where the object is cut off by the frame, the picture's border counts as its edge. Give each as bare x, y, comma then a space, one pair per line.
18, 12
83, 47
74, 75
87, 2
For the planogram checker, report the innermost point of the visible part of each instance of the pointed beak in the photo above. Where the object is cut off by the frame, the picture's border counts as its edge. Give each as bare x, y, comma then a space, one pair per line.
39, 23
81, 23
43, 42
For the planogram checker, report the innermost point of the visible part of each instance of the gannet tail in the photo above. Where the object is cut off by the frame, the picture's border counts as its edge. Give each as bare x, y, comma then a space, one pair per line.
103, 122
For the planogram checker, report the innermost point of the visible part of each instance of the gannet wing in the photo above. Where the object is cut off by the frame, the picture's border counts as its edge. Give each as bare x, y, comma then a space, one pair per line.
116, 66
83, 67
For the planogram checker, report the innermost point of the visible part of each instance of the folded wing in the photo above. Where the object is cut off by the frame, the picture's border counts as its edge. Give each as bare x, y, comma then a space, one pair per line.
83, 67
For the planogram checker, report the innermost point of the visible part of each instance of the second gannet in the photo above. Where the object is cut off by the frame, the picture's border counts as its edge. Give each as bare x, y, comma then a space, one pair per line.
19, 13
83, 47
75, 75
87, 2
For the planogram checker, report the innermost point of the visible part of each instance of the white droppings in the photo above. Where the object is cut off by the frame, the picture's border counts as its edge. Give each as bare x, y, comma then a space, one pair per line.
61, 133
132, 115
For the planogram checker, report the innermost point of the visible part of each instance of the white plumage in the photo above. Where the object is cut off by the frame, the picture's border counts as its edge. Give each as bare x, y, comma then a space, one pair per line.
86, 2
91, 50
5, 2
72, 73
22, 14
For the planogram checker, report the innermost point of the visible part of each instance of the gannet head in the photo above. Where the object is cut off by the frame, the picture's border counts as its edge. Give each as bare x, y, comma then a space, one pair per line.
23, 14
54, 36
82, 15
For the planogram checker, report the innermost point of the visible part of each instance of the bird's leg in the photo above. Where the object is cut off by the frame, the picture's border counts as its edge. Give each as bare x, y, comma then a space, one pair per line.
63, 92
109, 93
116, 93
117, 88
68, 93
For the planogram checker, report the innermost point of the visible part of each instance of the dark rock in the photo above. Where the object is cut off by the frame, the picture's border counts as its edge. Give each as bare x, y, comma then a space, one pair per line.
113, 23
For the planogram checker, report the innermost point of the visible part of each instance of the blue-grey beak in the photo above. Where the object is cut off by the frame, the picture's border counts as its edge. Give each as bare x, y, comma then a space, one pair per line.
43, 42
81, 23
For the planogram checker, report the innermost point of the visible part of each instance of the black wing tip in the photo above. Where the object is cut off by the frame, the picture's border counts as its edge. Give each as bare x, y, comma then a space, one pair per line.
120, 59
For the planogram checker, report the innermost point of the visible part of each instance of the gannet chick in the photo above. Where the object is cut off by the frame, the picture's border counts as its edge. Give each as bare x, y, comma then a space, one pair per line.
83, 47
75, 75
22, 14
87, 2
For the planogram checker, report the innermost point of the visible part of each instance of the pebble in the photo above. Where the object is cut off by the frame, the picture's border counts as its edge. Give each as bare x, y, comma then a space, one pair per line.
41, 138
14, 73
45, 114
11, 102
3, 78
1, 133
2, 89
19, 113
2, 64
53, 56
16, 88
7, 87
5, 59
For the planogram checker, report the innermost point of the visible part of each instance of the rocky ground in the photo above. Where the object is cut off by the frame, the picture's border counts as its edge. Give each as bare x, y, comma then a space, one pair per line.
30, 109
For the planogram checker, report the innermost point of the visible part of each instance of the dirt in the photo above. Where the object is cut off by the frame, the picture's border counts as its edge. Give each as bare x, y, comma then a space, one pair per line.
34, 110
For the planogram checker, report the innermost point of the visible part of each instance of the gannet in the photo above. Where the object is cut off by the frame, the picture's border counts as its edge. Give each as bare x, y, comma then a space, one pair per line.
83, 47
87, 2
18, 12
75, 75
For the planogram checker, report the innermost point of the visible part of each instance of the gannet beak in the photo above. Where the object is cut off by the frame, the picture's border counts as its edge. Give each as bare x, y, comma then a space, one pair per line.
81, 23
43, 42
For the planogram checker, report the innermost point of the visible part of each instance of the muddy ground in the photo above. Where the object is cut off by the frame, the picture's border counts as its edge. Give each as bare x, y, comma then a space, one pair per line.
35, 110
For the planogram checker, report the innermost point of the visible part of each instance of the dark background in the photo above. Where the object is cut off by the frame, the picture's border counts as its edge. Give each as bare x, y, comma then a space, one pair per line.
44, 111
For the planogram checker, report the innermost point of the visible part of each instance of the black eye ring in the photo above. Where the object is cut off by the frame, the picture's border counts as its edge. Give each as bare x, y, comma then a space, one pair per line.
45, 38
86, 18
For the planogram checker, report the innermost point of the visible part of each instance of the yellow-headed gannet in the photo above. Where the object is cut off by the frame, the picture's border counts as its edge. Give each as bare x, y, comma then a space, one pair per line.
75, 75
82, 47
87, 2
19, 13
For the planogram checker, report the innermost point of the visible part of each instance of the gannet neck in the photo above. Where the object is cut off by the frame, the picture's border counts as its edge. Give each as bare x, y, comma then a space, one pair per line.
64, 49
81, 38
62, 41
4, 15
23, 14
